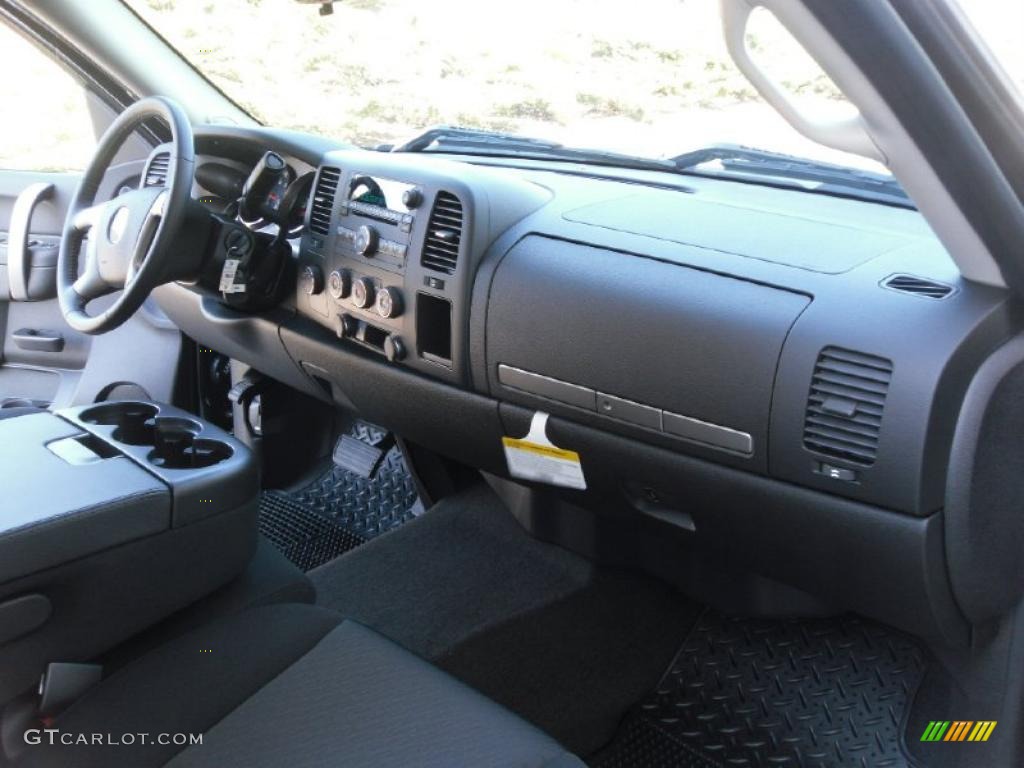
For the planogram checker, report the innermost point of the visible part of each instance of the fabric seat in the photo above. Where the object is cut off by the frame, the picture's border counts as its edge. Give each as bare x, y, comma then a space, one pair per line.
295, 686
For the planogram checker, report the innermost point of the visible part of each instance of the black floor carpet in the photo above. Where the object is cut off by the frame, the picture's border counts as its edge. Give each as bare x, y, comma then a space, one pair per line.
567, 646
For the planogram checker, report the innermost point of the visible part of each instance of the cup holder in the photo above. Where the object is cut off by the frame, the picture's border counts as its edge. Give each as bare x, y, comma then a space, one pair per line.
176, 445
133, 422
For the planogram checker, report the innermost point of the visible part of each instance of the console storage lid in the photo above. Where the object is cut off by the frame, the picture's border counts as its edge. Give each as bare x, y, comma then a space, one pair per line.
53, 511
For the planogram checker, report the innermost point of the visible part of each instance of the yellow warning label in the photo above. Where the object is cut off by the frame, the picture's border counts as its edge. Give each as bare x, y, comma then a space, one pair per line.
542, 450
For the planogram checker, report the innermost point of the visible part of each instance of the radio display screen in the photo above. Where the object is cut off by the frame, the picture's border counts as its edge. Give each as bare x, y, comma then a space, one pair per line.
376, 192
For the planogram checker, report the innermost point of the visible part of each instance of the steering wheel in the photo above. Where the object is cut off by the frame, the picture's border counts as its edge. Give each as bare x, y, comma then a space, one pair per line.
130, 237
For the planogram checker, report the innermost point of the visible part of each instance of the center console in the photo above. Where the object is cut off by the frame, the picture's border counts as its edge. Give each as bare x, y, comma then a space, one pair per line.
114, 516
386, 259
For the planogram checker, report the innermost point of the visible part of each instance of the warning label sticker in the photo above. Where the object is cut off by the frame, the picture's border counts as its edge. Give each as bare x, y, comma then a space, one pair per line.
534, 457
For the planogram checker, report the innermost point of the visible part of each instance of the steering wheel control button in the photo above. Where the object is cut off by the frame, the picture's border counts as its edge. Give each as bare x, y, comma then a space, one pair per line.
366, 241
389, 303
394, 348
362, 292
339, 284
311, 282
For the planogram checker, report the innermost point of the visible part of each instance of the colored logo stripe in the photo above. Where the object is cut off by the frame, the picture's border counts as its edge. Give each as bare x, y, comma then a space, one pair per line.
958, 730
935, 730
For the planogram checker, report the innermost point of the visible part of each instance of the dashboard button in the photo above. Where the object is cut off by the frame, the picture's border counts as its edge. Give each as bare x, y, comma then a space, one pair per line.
389, 303
339, 284
394, 348
362, 292
347, 326
412, 198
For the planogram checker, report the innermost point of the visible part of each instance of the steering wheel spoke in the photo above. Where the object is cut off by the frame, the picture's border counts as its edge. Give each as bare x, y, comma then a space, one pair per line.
89, 285
87, 218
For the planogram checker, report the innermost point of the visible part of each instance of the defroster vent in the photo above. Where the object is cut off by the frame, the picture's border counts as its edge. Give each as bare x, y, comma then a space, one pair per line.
323, 200
844, 411
156, 171
444, 234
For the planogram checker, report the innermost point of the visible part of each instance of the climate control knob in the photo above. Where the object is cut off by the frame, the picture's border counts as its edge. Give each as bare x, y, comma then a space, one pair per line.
339, 284
311, 281
367, 240
389, 303
362, 292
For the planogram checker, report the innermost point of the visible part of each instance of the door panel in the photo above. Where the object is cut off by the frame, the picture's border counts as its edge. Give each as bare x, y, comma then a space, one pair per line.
143, 352
56, 116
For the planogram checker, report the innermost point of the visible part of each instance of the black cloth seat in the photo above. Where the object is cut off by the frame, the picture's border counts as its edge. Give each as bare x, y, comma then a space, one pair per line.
294, 686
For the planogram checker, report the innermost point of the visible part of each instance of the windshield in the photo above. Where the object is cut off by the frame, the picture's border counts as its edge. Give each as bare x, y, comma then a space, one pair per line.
650, 78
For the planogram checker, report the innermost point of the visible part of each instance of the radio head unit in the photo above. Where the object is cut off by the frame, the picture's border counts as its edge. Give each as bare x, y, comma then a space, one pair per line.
383, 199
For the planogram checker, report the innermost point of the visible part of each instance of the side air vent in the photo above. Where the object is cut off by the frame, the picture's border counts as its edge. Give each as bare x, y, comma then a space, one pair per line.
918, 286
444, 234
156, 172
323, 200
844, 411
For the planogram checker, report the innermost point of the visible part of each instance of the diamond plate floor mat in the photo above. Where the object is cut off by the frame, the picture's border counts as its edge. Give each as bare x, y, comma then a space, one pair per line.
800, 693
367, 507
303, 536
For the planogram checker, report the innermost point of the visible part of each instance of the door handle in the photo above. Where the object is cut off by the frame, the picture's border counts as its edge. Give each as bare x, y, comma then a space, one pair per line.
33, 340
17, 238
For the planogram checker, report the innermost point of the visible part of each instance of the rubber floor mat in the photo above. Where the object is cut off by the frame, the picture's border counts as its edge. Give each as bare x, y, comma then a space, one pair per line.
799, 693
303, 536
367, 507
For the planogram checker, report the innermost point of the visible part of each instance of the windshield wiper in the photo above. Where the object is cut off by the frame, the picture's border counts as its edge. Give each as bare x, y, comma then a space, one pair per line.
812, 175
473, 141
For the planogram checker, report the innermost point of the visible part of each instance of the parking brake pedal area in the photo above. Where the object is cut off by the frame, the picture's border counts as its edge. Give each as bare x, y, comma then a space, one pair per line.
801, 693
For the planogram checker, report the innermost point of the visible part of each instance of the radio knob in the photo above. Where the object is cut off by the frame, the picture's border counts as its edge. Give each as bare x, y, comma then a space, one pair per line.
362, 292
412, 198
394, 348
311, 281
389, 303
366, 241
339, 284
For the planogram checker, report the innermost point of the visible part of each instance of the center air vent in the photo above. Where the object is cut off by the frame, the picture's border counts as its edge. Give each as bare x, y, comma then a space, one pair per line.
844, 412
156, 171
444, 234
323, 200
918, 286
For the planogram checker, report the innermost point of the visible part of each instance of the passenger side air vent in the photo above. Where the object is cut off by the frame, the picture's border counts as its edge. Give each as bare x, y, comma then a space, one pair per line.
844, 411
918, 286
156, 172
444, 234
323, 200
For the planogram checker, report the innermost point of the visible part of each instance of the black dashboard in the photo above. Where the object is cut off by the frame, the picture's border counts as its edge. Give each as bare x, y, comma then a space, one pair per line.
778, 375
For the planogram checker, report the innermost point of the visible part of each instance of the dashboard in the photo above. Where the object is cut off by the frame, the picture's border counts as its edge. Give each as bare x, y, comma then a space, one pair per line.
779, 379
